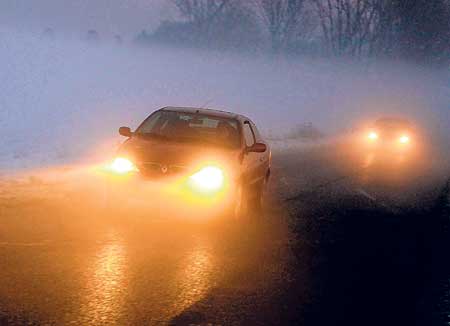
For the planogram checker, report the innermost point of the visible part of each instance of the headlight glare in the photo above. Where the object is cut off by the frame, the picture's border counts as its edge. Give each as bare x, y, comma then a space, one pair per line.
122, 165
208, 179
404, 139
373, 135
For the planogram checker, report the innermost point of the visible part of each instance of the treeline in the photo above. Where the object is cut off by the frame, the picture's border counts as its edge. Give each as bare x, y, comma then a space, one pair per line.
416, 30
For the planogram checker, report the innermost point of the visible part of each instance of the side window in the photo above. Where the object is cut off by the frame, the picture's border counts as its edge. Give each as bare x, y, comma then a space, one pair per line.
150, 123
256, 131
248, 135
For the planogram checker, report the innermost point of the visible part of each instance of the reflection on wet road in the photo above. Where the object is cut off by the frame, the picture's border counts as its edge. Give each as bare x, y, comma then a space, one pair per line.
74, 268
128, 282
95, 282
194, 277
63, 262
105, 284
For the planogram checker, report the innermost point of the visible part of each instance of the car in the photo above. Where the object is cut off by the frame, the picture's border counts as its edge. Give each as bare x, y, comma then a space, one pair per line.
391, 142
394, 132
205, 157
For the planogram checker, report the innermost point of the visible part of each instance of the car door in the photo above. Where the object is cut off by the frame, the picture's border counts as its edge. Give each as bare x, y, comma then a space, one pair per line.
251, 161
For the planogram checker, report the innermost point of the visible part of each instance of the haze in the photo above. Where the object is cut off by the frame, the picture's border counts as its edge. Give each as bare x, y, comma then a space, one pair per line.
339, 214
124, 17
65, 98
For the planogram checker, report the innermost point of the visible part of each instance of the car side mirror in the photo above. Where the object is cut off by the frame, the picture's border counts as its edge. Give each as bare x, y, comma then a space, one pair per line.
125, 131
257, 148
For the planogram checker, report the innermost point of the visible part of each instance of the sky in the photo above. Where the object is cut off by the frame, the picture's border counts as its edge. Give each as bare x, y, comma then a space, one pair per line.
108, 17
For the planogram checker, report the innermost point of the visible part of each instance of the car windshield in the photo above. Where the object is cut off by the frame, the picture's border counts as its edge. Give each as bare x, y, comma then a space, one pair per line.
392, 124
191, 127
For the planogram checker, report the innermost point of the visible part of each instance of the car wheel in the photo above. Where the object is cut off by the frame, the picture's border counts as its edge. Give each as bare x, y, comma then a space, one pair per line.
258, 198
238, 208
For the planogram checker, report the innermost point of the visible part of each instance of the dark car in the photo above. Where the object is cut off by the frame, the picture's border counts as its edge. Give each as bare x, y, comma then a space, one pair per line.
391, 131
202, 155
391, 143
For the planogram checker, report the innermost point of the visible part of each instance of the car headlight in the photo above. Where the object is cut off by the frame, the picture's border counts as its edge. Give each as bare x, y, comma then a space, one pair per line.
372, 136
404, 139
208, 179
122, 165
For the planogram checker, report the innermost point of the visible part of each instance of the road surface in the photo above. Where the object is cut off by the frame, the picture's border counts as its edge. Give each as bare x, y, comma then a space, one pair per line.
332, 248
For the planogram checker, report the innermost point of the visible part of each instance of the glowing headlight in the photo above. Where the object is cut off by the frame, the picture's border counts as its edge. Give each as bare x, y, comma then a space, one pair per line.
373, 135
122, 165
209, 178
404, 139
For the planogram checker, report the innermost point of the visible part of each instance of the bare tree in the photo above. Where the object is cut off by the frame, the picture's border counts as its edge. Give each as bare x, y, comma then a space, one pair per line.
219, 22
201, 12
285, 20
347, 25
415, 29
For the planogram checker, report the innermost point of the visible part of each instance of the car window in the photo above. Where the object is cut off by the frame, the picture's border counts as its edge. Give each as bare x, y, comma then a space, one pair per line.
392, 124
256, 132
248, 135
149, 124
191, 127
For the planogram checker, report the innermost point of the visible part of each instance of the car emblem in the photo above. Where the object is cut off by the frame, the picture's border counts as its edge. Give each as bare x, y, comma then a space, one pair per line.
164, 169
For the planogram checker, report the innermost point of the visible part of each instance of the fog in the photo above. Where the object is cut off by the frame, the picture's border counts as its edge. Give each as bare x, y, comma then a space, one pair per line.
109, 17
62, 101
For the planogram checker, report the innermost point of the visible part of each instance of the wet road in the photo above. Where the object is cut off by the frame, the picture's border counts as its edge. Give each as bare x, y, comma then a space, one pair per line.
64, 263
345, 252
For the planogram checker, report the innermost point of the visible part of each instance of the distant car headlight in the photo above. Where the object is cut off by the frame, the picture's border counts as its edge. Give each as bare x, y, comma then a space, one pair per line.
208, 179
372, 136
404, 139
122, 165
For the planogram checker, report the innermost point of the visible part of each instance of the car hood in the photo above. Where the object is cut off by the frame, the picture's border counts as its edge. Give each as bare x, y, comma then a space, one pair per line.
176, 153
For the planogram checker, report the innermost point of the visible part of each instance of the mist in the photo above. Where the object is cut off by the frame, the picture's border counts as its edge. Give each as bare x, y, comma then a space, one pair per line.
63, 100
199, 220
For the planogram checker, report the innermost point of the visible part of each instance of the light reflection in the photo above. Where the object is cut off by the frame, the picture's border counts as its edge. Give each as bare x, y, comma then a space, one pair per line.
195, 277
104, 298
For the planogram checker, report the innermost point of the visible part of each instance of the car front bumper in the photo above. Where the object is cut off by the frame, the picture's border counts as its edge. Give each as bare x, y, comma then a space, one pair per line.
166, 196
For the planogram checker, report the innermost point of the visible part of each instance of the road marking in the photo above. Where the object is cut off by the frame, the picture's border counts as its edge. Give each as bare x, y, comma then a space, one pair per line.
365, 194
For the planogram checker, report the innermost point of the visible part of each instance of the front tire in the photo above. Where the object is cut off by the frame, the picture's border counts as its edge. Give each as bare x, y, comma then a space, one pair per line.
257, 201
238, 208
248, 202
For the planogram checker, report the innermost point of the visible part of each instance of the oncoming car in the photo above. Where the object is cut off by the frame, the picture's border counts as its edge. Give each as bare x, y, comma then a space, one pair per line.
390, 142
199, 158
391, 134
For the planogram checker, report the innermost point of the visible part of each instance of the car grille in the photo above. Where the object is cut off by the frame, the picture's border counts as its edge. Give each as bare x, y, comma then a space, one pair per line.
159, 170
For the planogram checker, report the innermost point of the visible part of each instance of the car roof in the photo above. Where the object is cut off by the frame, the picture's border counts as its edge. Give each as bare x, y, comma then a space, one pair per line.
204, 111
